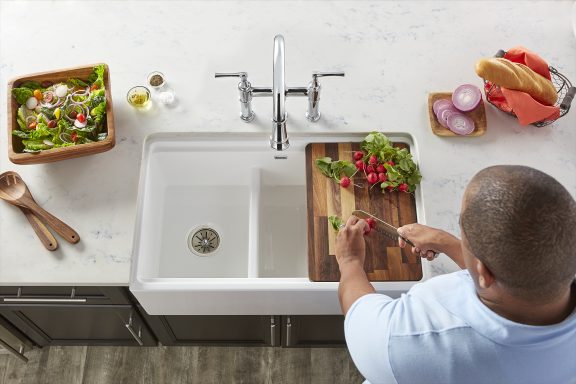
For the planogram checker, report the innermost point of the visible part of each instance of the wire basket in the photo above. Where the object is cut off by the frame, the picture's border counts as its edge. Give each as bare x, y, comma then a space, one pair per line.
563, 87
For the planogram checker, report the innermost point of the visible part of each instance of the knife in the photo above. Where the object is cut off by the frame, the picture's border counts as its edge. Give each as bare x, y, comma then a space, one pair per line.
382, 226
385, 228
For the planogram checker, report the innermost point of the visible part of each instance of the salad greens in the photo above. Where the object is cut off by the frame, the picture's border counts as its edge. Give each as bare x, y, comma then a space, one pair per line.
335, 222
62, 114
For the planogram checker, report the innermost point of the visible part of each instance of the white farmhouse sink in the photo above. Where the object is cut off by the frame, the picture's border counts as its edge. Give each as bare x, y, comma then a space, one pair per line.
221, 227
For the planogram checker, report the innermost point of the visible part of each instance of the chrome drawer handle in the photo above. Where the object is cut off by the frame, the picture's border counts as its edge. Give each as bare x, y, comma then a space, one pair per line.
14, 352
19, 299
136, 336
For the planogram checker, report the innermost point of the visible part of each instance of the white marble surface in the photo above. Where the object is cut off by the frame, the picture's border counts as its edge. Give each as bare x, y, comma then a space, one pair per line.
394, 53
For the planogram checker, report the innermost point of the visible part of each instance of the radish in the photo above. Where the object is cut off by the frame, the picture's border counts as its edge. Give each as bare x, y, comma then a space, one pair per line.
372, 178
382, 177
370, 169
358, 155
371, 222
403, 187
359, 165
344, 181
380, 168
373, 160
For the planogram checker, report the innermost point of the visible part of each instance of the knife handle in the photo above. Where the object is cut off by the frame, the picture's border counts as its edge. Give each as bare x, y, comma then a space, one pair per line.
412, 244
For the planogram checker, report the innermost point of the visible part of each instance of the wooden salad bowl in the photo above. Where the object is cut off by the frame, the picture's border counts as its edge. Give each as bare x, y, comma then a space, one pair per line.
15, 145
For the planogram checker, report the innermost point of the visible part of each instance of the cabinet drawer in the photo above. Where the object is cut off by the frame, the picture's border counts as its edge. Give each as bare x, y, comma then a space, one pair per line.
71, 324
63, 295
313, 331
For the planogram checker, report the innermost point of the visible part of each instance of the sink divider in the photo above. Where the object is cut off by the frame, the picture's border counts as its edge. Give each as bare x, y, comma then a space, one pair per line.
254, 222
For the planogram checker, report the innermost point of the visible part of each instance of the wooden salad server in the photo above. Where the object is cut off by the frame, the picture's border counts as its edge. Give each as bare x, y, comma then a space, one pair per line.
14, 190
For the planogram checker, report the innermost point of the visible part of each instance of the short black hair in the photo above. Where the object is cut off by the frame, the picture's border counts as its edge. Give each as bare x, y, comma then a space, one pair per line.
521, 223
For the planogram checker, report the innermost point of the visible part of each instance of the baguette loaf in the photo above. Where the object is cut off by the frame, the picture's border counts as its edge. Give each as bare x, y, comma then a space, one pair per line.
517, 76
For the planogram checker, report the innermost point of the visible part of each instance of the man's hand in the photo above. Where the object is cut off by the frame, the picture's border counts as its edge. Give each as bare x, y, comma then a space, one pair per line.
350, 244
428, 241
350, 255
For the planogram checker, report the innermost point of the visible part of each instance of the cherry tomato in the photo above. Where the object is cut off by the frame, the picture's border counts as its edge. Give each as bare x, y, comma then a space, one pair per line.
52, 124
38, 94
73, 114
80, 117
74, 136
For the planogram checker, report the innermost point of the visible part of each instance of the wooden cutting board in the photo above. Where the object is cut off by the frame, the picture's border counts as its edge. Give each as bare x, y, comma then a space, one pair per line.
385, 260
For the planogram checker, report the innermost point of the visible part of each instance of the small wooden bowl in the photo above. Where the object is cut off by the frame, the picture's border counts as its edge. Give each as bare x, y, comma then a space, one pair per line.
15, 146
478, 115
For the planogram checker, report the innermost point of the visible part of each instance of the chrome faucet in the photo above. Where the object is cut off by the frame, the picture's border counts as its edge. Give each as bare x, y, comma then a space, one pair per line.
279, 138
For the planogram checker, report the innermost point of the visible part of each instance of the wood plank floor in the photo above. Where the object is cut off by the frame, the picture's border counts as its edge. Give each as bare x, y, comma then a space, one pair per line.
180, 365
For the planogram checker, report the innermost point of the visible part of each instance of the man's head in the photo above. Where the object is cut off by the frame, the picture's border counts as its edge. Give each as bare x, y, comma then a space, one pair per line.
521, 224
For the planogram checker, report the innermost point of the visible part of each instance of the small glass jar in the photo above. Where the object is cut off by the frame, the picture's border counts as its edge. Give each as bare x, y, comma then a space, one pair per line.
139, 97
157, 82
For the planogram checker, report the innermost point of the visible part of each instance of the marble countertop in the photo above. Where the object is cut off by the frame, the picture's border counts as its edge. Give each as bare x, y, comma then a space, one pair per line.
394, 53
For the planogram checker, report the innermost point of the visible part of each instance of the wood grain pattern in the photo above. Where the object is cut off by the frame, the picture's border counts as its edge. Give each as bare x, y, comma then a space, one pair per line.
15, 146
385, 261
478, 115
180, 365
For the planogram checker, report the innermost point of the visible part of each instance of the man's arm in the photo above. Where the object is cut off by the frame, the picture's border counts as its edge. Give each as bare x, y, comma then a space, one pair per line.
428, 240
350, 254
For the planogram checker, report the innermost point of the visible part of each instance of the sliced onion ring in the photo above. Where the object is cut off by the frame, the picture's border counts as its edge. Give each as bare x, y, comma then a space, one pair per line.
440, 102
460, 124
466, 97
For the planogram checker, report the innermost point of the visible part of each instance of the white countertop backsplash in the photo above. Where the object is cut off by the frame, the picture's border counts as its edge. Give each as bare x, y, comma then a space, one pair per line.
393, 52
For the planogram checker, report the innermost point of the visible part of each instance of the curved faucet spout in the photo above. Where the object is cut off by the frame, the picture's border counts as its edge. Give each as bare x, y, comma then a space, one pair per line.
279, 138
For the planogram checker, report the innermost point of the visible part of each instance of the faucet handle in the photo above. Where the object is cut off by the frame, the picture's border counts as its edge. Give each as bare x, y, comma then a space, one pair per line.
313, 91
316, 75
324, 74
242, 75
245, 93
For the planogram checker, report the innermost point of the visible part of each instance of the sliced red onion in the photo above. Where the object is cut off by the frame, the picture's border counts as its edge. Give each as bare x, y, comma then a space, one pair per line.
30, 119
443, 118
65, 137
466, 97
460, 124
440, 102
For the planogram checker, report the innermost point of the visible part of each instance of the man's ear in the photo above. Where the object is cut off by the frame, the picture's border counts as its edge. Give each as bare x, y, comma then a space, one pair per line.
485, 276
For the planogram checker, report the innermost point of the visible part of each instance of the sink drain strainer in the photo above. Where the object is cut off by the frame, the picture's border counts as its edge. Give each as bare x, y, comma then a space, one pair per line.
203, 241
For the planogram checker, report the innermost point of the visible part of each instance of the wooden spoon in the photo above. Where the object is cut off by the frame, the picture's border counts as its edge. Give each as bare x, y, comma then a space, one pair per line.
14, 190
45, 236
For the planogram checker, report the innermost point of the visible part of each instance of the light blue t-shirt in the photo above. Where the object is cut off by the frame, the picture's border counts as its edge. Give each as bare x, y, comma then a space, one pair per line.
439, 332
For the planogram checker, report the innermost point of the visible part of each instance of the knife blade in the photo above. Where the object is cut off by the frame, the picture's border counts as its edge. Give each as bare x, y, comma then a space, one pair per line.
382, 226
385, 228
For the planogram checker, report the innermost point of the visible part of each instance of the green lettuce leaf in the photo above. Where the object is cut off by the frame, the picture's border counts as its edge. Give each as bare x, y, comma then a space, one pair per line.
22, 94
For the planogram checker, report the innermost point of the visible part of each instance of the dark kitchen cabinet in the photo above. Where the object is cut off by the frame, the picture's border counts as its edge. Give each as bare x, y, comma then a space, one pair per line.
75, 316
313, 331
258, 330
286, 331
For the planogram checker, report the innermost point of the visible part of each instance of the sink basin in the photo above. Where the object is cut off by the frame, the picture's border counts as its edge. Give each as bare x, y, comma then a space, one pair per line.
221, 227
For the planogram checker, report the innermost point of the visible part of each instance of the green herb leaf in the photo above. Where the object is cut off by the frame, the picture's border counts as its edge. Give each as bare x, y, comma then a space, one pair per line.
335, 222
32, 85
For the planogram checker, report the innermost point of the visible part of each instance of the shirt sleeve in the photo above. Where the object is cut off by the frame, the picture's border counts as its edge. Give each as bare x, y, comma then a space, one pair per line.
367, 330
